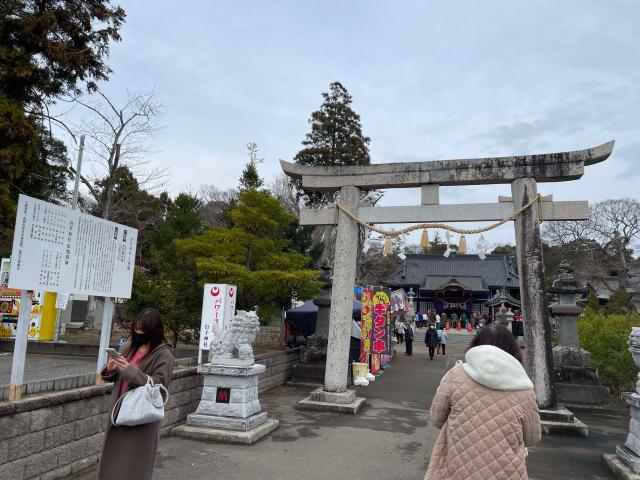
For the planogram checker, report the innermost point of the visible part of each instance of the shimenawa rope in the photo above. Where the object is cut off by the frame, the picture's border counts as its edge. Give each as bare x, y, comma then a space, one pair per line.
443, 226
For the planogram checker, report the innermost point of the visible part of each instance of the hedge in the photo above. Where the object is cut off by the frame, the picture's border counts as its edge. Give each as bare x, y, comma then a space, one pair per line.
605, 337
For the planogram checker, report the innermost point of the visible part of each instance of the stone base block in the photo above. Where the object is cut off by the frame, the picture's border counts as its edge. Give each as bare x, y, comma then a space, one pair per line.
577, 394
320, 395
576, 428
629, 458
352, 408
618, 467
557, 414
571, 357
231, 362
227, 423
561, 421
227, 436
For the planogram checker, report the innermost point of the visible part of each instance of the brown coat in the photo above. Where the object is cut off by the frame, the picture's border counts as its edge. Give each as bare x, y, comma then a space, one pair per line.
484, 430
129, 452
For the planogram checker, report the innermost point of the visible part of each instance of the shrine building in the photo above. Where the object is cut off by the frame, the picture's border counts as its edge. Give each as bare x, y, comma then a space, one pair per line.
459, 283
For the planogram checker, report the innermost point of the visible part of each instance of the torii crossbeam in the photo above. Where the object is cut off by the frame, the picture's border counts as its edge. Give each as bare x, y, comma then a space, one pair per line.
522, 172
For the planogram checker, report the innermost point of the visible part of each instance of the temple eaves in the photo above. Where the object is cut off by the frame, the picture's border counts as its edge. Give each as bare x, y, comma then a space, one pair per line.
546, 167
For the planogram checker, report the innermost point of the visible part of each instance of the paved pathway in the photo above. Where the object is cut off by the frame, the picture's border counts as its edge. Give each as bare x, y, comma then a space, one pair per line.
390, 439
45, 367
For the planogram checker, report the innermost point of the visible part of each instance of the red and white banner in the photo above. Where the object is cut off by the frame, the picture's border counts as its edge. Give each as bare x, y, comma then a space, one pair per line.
218, 308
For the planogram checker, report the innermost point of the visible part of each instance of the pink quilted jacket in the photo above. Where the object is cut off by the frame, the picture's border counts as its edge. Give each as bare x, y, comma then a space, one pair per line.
488, 414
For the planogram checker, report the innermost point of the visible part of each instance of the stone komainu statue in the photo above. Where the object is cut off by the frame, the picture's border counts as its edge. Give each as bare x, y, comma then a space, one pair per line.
236, 342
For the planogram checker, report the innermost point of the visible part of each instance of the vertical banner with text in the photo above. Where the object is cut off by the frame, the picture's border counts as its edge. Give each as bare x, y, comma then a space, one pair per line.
382, 328
218, 308
366, 324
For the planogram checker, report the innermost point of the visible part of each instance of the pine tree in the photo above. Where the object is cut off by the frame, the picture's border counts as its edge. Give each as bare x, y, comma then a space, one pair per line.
250, 179
335, 138
255, 254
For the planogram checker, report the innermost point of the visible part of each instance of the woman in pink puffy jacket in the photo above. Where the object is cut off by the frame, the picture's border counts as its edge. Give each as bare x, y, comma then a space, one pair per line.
487, 412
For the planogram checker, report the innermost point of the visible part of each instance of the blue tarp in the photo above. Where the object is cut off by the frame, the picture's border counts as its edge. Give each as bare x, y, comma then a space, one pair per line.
304, 317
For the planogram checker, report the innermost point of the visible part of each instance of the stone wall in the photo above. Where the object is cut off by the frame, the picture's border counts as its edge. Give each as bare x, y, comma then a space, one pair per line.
269, 336
56, 434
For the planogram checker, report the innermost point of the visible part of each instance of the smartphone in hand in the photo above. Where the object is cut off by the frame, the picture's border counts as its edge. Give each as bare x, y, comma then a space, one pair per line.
113, 353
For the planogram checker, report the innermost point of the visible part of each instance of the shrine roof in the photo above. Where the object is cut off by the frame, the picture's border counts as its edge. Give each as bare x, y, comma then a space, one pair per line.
441, 282
417, 269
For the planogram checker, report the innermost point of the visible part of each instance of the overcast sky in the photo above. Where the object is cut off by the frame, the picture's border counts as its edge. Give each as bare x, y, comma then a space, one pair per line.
430, 80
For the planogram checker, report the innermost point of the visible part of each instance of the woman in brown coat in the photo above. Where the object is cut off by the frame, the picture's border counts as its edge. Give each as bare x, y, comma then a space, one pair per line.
129, 452
487, 411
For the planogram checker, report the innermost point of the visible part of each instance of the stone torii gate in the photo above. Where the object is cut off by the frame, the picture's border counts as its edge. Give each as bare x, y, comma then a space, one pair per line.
522, 172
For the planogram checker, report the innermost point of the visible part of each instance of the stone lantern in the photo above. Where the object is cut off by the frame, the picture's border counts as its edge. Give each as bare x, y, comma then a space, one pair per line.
323, 302
576, 381
509, 317
412, 296
501, 316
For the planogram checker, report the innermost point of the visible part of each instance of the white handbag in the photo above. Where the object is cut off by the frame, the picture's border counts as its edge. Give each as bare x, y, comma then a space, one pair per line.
140, 405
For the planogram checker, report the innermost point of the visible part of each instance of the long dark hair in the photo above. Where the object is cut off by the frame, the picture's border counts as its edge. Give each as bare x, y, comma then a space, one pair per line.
498, 336
150, 322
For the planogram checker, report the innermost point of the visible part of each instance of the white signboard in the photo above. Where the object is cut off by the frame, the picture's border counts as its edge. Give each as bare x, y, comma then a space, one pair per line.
218, 308
56, 249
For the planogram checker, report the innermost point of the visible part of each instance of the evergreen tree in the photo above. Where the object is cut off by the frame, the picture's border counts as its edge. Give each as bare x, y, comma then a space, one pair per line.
170, 281
250, 179
335, 138
255, 254
48, 49
619, 302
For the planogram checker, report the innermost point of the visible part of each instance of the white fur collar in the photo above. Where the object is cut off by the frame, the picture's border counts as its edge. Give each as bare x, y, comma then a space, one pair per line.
496, 369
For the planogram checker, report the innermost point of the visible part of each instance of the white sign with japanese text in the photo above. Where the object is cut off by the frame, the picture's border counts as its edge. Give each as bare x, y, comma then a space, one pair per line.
56, 249
218, 308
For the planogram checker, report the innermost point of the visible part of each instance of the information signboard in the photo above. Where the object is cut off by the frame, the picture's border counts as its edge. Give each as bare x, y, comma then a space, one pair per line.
218, 308
56, 249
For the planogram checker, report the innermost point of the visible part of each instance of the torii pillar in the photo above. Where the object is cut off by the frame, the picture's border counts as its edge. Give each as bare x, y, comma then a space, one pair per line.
538, 354
521, 172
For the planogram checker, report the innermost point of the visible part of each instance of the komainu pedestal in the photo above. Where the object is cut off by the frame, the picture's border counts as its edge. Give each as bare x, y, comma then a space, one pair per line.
626, 462
229, 410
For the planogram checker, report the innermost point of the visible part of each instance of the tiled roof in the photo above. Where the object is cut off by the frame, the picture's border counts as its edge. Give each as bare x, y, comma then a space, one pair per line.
495, 270
436, 282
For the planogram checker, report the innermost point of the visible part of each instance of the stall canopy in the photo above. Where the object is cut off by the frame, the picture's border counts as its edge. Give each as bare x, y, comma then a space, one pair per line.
304, 317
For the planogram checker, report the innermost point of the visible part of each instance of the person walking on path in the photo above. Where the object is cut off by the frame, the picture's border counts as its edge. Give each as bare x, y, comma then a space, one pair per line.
129, 453
431, 340
454, 320
400, 330
492, 375
442, 338
438, 321
408, 340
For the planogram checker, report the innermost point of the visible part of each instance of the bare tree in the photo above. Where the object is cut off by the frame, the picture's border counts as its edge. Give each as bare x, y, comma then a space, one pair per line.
374, 267
610, 234
215, 203
117, 138
117, 144
283, 189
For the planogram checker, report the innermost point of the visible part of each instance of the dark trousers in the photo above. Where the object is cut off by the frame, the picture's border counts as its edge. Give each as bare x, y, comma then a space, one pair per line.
444, 348
431, 352
409, 346
400, 337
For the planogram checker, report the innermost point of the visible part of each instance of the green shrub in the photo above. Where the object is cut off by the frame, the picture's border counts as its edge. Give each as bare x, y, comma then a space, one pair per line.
605, 337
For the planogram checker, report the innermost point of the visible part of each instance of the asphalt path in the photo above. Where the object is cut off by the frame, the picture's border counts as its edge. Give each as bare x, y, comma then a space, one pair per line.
47, 367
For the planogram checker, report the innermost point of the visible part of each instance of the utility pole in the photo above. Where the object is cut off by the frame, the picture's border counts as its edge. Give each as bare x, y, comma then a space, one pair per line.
74, 206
